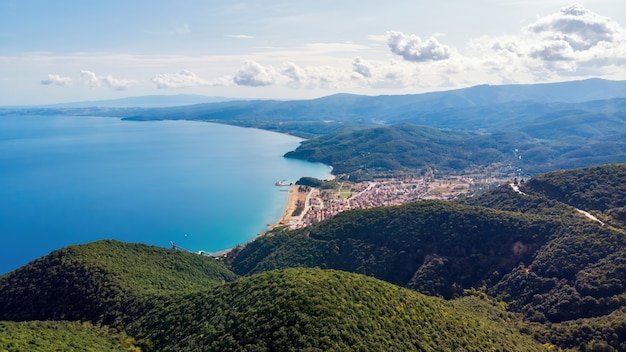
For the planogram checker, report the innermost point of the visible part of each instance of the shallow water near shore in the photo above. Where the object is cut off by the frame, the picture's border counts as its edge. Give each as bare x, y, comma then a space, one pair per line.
68, 180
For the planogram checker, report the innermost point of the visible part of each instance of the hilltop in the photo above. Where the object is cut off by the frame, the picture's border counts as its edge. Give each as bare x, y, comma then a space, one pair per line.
97, 281
518, 129
277, 310
325, 310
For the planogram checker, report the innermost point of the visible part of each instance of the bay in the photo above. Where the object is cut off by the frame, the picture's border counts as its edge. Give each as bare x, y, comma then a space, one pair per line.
69, 180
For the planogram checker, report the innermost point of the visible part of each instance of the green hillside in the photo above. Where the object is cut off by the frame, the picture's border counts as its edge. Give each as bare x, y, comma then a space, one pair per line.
543, 257
317, 310
95, 281
403, 147
593, 188
581, 272
61, 336
436, 247
406, 147
606, 333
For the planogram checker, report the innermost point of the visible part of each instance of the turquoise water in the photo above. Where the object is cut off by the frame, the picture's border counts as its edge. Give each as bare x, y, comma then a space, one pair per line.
69, 180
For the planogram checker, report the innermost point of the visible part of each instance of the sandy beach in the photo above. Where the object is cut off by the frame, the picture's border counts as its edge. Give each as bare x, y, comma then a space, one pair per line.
292, 202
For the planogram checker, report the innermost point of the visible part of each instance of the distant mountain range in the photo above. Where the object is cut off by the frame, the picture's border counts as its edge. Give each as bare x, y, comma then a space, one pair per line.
481, 95
555, 125
491, 108
148, 101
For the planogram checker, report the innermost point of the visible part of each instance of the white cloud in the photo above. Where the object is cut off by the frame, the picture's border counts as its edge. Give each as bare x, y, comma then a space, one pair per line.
182, 79
572, 38
90, 78
580, 28
362, 67
56, 80
94, 81
574, 42
377, 37
571, 43
254, 74
290, 74
116, 84
296, 74
412, 48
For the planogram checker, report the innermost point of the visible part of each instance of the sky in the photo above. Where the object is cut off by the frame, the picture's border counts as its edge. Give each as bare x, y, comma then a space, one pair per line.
56, 51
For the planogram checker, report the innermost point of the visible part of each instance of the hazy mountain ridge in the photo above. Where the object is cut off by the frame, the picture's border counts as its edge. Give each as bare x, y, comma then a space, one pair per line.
147, 101
480, 108
533, 249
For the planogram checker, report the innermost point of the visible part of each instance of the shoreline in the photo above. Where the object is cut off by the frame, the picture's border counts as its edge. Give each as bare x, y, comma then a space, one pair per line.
286, 219
293, 196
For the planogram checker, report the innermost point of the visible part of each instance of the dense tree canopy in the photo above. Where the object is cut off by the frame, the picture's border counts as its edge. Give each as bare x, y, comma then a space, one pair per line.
322, 310
95, 281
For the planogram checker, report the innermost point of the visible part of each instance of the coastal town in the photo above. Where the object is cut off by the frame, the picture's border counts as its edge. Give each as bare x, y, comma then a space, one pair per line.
307, 205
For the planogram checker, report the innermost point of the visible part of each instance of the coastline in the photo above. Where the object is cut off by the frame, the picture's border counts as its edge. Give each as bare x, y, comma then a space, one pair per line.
286, 218
293, 198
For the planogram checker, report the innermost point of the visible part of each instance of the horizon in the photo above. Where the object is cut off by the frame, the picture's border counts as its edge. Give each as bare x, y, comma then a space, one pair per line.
64, 53
220, 99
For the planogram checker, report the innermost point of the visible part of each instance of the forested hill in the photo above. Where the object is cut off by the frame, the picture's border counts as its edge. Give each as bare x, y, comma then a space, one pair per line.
322, 310
402, 147
48, 336
295, 309
544, 258
426, 245
96, 281
599, 188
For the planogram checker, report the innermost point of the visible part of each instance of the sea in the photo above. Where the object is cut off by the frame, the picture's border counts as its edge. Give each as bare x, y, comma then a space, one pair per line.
68, 180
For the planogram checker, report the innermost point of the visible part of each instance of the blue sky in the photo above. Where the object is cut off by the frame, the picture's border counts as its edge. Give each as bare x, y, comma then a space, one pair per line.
61, 51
